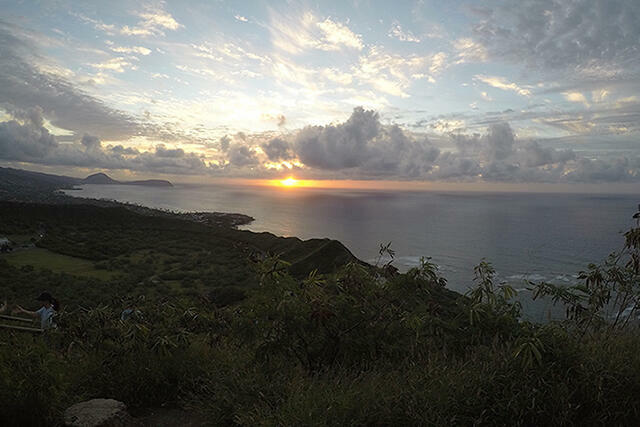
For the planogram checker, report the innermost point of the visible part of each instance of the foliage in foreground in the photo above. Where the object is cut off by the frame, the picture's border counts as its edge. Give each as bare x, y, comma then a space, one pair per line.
359, 346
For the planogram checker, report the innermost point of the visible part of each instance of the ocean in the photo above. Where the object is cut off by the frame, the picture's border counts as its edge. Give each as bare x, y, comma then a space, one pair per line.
526, 236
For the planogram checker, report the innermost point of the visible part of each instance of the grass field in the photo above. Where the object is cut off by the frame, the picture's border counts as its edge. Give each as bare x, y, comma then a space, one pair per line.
43, 258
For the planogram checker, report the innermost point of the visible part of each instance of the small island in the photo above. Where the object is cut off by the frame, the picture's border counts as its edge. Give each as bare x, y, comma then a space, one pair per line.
101, 178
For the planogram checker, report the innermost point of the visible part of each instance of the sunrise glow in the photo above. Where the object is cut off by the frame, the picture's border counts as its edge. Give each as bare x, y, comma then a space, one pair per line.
289, 182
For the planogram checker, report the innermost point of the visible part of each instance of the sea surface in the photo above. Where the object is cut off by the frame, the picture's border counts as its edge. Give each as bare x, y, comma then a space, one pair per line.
526, 236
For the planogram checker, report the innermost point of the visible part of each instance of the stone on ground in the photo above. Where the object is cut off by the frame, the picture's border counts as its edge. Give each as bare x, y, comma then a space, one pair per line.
98, 413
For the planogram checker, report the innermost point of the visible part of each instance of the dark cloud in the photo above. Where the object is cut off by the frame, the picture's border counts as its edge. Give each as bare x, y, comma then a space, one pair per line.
27, 139
532, 154
498, 143
240, 155
599, 170
277, 149
338, 147
119, 149
91, 142
362, 147
163, 151
224, 143
590, 36
23, 86
579, 48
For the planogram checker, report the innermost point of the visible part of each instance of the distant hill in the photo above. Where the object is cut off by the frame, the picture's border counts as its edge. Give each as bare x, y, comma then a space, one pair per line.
99, 178
37, 178
19, 184
104, 179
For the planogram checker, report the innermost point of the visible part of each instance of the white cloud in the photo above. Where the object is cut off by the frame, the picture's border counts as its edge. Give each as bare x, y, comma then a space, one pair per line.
438, 63
393, 74
140, 50
118, 65
109, 29
397, 32
576, 97
503, 84
337, 35
298, 35
154, 21
468, 50
337, 76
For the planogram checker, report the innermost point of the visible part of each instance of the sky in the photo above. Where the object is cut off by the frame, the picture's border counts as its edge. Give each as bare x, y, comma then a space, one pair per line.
530, 92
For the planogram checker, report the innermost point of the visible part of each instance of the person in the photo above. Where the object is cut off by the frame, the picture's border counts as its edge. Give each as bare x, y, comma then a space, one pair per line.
50, 306
3, 307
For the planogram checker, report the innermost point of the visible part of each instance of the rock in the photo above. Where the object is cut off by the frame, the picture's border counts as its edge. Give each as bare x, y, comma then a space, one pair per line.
98, 413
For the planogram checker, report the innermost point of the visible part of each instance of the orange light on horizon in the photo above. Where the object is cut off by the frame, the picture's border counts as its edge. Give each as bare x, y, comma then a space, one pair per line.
289, 182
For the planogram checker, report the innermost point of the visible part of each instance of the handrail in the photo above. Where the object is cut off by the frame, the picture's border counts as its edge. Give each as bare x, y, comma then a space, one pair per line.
21, 328
21, 319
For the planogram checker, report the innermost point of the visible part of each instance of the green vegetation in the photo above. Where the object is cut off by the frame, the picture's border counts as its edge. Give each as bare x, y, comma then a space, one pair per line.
44, 259
252, 329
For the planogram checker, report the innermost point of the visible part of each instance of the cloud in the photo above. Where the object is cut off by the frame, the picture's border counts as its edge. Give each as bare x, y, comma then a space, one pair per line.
363, 147
224, 143
25, 84
360, 148
153, 22
576, 97
241, 155
26, 139
532, 154
299, 34
595, 37
503, 84
120, 150
279, 119
499, 156
468, 50
600, 170
393, 74
277, 149
91, 142
396, 32
337, 35
163, 151
23, 87
118, 65
140, 50
109, 29
498, 142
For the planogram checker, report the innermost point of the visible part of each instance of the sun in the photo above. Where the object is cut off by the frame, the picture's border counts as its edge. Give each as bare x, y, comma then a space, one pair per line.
289, 182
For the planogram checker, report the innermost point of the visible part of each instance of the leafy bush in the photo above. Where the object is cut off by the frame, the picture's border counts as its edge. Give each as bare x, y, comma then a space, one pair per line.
359, 345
